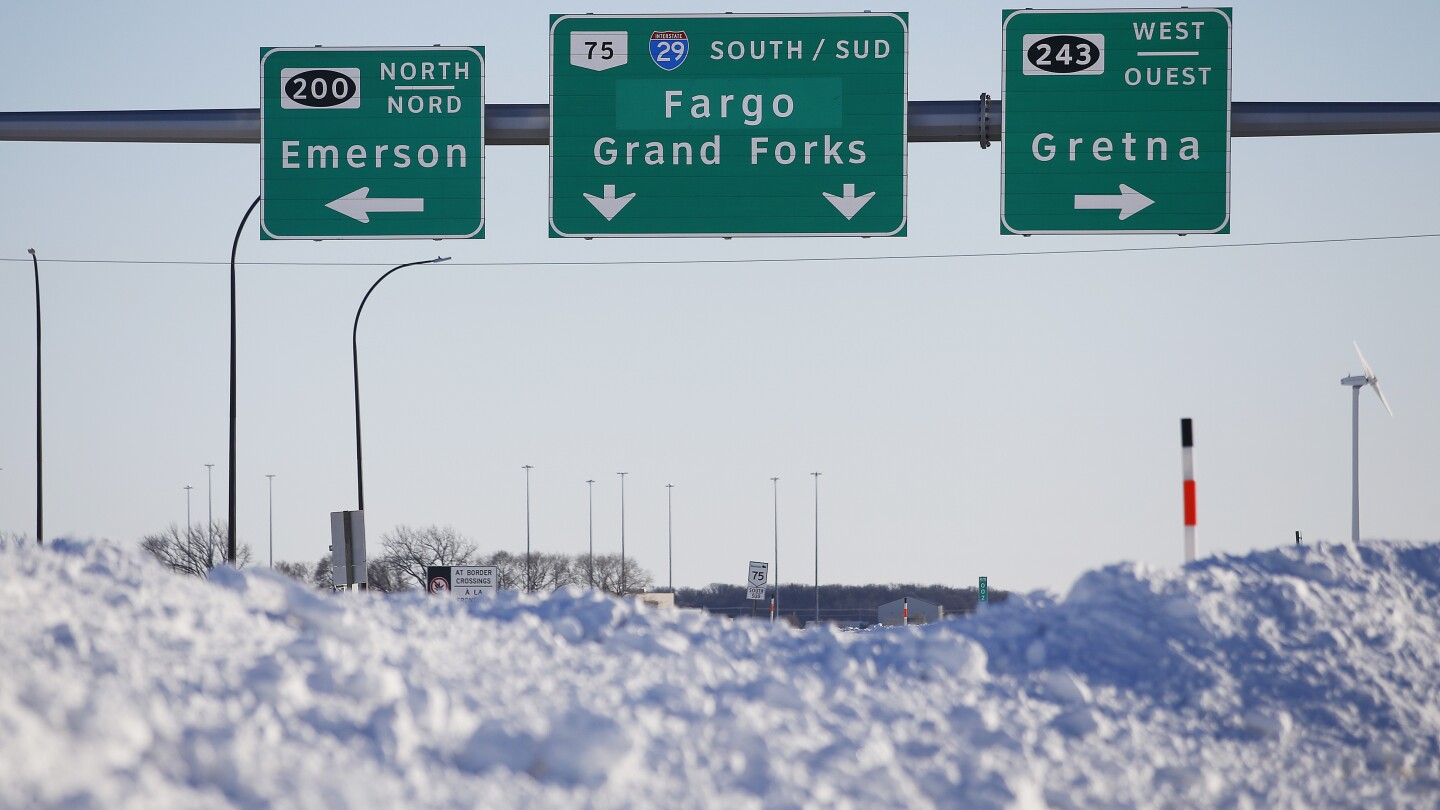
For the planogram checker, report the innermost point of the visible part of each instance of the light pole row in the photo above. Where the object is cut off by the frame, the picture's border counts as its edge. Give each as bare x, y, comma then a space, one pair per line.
670, 536
624, 581
209, 510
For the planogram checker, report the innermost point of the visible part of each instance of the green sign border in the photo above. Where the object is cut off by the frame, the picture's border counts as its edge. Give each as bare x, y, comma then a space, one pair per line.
1005, 107
479, 51
900, 230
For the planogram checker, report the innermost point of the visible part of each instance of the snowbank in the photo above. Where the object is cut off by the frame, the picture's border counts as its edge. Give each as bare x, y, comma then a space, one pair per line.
1298, 677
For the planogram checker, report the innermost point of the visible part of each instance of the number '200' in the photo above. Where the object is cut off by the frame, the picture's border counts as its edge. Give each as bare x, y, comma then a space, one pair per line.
319, 88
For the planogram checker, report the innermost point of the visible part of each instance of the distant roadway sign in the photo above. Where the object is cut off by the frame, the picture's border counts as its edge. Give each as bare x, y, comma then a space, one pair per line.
372, 143
756, 580
728, 125
1116, 121
462, 582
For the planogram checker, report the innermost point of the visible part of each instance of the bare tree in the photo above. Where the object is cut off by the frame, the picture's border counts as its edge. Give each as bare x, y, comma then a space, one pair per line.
607, 575
552, 571
408, 552
193, 552
382, 576
294, 570
509, 570
323, 577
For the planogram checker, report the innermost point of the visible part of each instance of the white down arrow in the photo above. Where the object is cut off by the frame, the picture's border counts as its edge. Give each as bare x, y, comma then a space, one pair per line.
847, 203
609, 205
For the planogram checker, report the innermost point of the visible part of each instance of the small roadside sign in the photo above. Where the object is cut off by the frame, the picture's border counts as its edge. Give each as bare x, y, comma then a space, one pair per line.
984, 589
758, 578
462, 582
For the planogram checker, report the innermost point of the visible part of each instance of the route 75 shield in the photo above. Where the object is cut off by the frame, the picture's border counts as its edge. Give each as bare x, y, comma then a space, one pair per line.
759, 576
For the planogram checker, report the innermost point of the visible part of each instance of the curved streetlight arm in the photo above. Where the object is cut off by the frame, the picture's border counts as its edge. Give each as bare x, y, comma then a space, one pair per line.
355, 360
230, 516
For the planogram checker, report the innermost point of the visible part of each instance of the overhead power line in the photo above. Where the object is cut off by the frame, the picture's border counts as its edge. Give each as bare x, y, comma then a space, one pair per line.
777, 260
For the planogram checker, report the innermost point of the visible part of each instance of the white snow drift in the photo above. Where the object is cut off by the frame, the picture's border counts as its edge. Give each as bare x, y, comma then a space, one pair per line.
1303, 677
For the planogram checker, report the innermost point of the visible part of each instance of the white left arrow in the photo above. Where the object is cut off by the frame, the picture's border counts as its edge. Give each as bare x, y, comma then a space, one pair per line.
847, 203
359, 205
1128, 202
609, 205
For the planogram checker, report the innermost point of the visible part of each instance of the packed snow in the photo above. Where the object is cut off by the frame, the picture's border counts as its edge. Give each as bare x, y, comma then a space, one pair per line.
1299, 677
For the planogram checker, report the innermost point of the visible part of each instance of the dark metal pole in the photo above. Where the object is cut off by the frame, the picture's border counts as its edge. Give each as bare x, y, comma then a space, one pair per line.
817, 547
39, 444
230, 520
355, 361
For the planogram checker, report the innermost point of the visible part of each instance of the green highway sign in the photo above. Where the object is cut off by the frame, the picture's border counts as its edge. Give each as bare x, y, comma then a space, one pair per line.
1116, 121
984, 589
372, 143
728, 125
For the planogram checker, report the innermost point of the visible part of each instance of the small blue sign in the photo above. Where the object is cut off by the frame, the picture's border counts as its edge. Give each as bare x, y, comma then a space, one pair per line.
669, 49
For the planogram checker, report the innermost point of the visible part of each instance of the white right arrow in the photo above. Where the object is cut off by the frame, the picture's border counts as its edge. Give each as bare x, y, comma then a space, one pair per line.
847, 203
609, 205
1128, 202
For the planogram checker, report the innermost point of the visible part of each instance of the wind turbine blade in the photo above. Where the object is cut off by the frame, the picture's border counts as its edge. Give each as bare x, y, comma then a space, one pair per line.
1369, 373
1376, 385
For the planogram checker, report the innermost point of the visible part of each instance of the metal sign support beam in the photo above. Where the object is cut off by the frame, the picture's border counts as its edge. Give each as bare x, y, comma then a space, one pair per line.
529, 124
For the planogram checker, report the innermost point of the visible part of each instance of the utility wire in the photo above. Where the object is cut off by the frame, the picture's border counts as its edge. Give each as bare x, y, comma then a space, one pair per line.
780, 260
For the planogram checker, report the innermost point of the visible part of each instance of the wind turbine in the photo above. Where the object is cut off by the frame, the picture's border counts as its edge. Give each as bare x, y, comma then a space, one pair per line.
1356, 383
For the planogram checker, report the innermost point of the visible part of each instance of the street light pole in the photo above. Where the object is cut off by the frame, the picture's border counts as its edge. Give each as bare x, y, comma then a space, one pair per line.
817, 548
39, 444
670, 535
775, 566
591, 486
230, 519
188, 524
623, 583
270, 477
529, 580
355, 360
209, 508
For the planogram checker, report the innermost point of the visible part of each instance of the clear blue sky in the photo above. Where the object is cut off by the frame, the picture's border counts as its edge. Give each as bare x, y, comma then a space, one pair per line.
1010, 410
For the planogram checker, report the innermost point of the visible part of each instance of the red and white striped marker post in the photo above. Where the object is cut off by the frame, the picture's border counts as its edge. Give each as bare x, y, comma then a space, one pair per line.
906, 610
1187, 449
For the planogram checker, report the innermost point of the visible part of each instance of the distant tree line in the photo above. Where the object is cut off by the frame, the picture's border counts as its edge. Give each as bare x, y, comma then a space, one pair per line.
404, 555
846, 603
406, 552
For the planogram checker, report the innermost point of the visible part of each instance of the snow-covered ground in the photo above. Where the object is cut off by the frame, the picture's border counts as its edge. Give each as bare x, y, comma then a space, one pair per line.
1301, 677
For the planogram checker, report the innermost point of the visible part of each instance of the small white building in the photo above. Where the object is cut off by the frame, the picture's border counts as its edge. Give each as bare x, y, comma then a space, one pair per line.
921, 612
